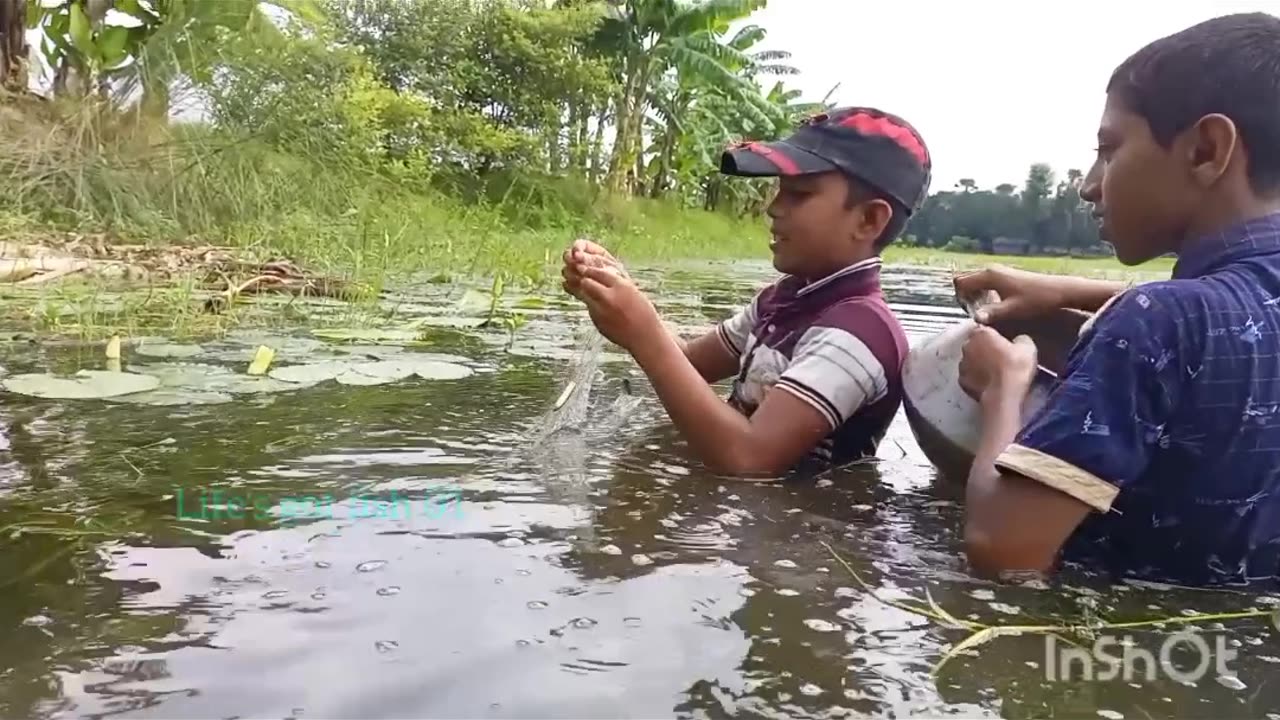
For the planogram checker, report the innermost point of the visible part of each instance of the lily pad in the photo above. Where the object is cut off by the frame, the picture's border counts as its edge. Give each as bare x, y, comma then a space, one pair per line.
196, 378
376, 352
311, 372
449, 321
436, 370
375, 373
240, 347
373, 335
85, 384
168, 350
175, 396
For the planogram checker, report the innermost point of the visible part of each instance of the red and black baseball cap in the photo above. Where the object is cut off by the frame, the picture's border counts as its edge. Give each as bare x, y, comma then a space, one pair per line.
879, 148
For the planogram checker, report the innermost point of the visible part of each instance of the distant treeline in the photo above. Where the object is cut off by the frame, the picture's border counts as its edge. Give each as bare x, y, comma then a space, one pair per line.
1045, 216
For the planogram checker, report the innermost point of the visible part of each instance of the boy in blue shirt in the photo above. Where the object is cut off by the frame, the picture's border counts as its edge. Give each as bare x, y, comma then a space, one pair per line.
1158, 456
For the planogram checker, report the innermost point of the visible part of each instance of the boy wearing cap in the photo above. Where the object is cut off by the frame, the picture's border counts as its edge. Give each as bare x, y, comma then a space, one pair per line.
816, 356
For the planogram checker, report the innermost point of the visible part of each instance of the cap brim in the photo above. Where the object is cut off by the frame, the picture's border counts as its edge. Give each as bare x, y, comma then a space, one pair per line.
772, 160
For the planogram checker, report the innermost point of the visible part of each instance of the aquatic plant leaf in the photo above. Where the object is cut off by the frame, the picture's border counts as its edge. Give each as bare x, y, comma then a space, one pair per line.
194, 377
449, 321
436, 370
942, 614
85, 384
370, 335
1275, 620
168, 350
261, 360
375, 352
240, 346
982, 636
375, 373
311, 372
531, 303
474, 302
175, 396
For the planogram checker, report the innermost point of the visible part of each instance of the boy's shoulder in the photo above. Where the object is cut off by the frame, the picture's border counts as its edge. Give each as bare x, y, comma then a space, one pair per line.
1156, 310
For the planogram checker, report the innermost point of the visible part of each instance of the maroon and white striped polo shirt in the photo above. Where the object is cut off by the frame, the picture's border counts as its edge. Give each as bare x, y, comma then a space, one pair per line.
835, 344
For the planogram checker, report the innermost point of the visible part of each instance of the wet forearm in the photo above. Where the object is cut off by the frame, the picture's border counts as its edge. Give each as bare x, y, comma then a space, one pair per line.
715, 431
993, 533
1001, 419
1089, 294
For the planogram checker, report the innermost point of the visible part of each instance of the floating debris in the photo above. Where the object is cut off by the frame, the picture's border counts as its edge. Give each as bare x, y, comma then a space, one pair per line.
823, 626
370, 566
641, 559
1005, 608
1231, 682
785, 564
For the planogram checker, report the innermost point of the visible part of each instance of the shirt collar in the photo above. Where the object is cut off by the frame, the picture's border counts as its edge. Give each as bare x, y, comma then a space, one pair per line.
1252, 238
860, 269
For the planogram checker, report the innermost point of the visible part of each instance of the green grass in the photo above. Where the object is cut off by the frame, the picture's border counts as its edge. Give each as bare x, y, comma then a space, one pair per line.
361, 217
1107, 267
65, 168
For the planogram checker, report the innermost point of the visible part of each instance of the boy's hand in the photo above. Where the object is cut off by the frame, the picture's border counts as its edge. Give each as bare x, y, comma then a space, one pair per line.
583, 254
992, 362
617, 307
1022, 294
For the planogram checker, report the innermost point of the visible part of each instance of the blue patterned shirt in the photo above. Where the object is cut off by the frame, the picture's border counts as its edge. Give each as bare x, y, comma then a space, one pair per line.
1167, 421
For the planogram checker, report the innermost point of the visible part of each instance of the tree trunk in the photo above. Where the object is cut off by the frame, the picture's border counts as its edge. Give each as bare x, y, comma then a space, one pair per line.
597, 145
13, 45
665, 156
619, 160
576, 139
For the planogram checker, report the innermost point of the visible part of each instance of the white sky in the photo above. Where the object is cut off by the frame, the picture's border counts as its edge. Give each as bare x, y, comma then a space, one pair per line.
992, 85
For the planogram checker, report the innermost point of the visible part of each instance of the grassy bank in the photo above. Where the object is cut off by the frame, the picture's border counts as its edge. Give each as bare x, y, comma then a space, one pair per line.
1104, 267
364, 219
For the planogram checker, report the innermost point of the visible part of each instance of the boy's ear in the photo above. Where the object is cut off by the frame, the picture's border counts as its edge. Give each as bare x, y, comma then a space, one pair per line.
873, 218
1211, 146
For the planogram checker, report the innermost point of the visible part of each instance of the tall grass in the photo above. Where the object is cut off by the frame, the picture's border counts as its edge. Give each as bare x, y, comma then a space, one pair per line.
73, 168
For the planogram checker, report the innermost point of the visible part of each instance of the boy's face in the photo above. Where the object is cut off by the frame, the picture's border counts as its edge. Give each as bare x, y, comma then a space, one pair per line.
814, 232
1142, 192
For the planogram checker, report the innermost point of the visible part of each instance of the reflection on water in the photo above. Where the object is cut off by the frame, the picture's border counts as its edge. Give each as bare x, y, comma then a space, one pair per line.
597, 572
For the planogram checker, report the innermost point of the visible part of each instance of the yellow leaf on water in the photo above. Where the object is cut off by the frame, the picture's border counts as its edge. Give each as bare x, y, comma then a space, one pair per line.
261, 360
564, 396
113, 348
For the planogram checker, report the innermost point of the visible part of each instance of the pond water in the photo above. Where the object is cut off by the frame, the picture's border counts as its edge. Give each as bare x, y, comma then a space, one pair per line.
511, 575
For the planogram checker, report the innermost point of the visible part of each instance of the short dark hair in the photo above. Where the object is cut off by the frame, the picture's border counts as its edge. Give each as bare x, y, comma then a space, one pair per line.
862, 191
1228, 65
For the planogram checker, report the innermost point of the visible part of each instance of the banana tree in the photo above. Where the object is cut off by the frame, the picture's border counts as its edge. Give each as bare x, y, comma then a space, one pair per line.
13, 45
650, 37
142, 45
80, 45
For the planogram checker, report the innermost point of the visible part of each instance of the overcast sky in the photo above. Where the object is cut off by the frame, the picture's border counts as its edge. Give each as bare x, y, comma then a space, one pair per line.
992, 85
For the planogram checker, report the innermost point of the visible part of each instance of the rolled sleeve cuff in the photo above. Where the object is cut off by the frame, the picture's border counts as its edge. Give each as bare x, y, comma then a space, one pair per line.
1059, 475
